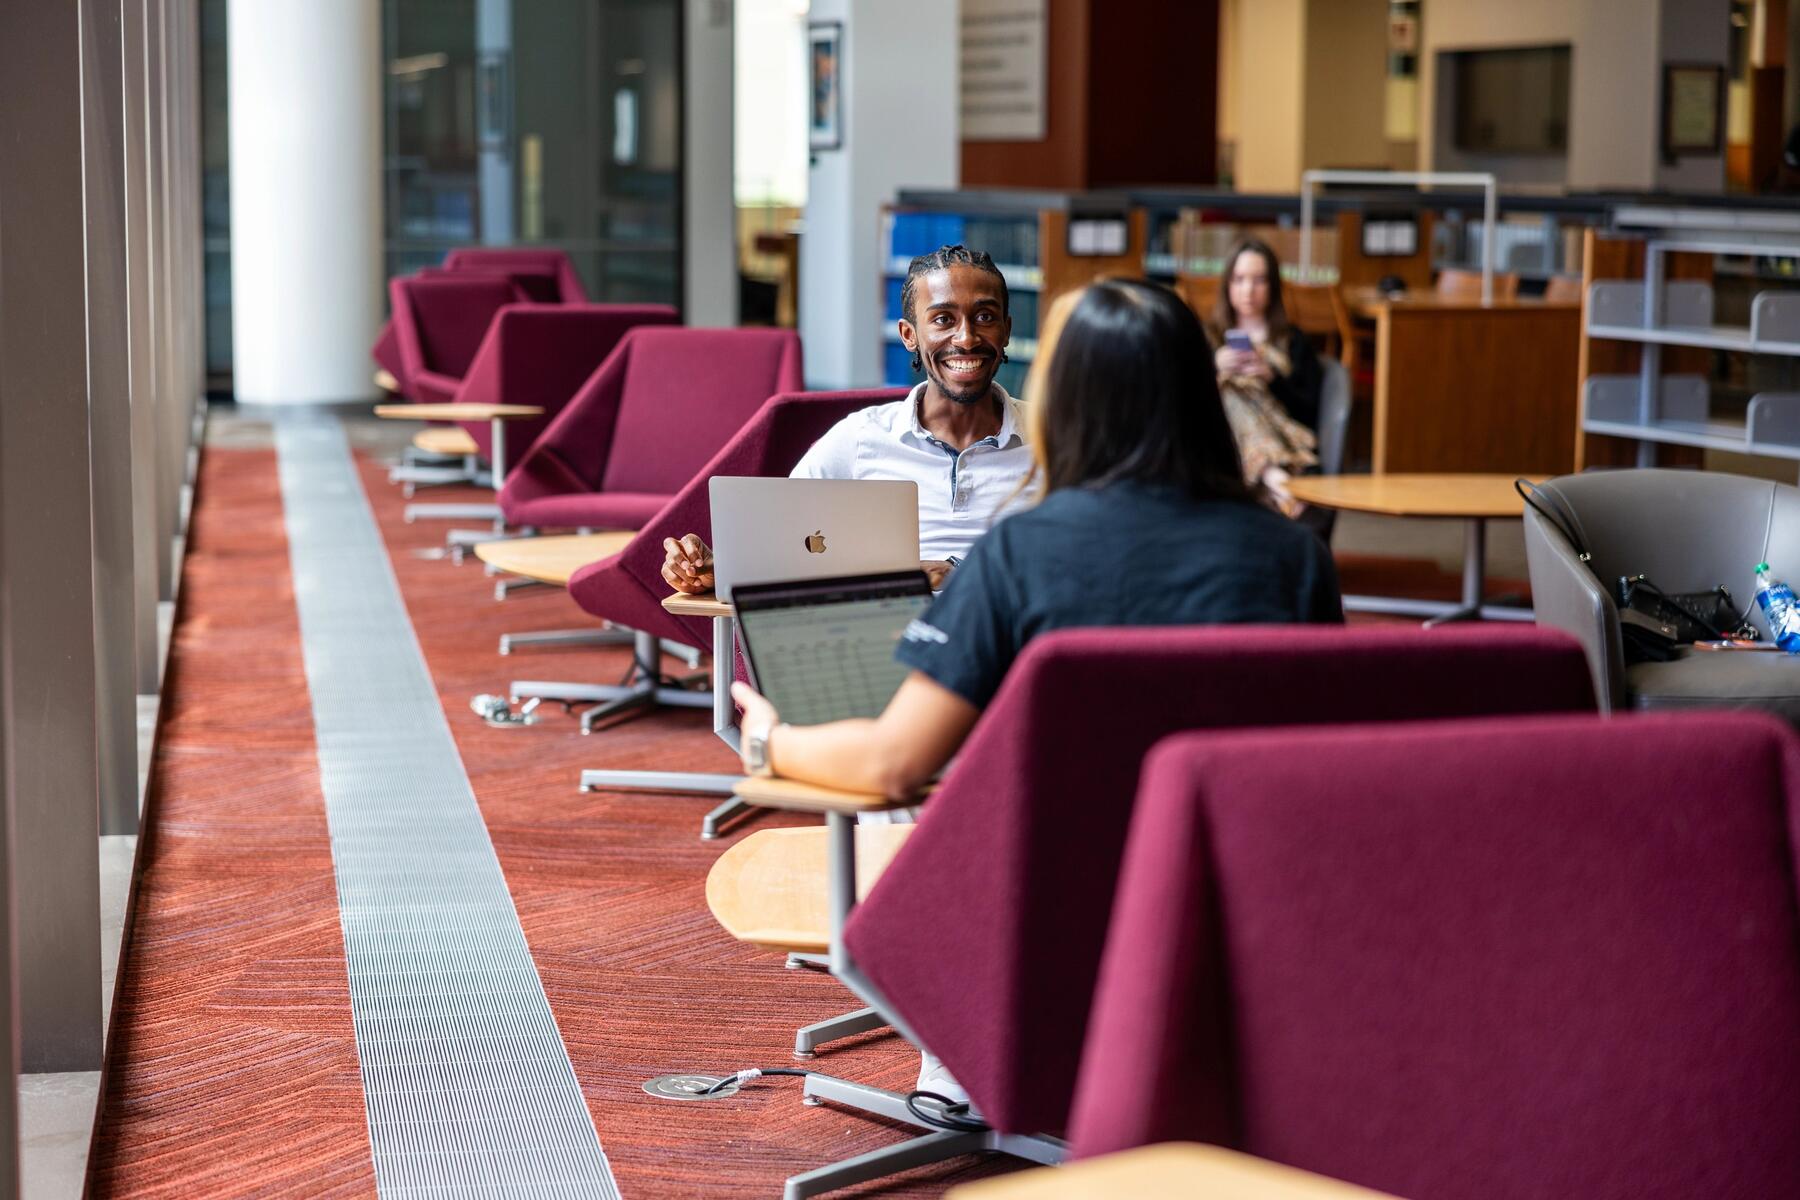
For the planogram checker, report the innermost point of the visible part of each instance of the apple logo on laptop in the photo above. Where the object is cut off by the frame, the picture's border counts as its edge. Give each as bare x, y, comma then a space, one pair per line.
815, 542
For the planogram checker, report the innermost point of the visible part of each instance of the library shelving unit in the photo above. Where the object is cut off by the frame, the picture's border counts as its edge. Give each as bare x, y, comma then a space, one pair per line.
1672, 323
1043, 242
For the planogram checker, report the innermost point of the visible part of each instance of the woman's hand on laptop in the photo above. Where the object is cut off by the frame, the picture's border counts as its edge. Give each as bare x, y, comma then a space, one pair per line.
688, 564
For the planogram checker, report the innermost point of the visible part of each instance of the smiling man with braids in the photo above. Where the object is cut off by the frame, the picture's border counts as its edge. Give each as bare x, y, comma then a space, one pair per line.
958, 435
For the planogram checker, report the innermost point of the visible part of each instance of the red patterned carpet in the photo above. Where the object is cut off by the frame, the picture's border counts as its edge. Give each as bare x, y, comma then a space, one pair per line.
232, 1069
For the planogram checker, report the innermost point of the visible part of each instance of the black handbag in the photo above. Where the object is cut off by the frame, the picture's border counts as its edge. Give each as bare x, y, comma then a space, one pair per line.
1652, 623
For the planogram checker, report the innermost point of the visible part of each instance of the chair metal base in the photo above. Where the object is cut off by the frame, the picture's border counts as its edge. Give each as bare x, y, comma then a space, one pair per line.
567, 637
431, 474
1436, 610
452, 512
936, 1145
809, 1038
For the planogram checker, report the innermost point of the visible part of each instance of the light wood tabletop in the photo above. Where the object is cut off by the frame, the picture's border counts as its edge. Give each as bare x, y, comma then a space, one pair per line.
458, 412
771, 889
1366, 302
1172, 1171
777, 792
703, 604
445, 439
551, 559
1462, 496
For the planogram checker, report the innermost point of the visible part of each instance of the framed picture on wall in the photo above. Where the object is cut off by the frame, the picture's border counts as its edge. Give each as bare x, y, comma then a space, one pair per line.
1693, 109
825, 100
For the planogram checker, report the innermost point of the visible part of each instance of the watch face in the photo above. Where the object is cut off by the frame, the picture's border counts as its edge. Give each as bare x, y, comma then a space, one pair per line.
757, 750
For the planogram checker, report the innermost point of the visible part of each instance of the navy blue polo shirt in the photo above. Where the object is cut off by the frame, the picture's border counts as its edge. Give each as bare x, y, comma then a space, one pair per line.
1123, 554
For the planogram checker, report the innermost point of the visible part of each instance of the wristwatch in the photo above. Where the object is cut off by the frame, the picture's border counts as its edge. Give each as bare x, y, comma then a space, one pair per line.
756, 752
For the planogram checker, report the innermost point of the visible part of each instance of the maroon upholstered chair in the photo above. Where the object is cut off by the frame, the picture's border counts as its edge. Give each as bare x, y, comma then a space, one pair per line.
659, 407
439, 322
1527, 957
628, 588
1022, 841
545, 276
541, 354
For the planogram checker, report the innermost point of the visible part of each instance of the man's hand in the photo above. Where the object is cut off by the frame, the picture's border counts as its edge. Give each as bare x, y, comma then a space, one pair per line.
688, 564
936, 571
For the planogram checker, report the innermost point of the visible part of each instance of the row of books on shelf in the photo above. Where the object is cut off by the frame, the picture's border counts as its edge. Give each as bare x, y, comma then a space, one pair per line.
1009, 241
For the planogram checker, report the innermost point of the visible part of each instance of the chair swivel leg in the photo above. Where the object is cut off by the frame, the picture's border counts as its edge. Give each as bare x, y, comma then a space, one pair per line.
809, 1038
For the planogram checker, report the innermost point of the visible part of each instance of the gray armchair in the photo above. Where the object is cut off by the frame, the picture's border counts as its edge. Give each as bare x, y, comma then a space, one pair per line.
1688, 531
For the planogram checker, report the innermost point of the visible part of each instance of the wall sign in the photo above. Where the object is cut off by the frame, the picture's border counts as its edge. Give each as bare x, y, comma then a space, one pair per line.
1693, 109
1003, 70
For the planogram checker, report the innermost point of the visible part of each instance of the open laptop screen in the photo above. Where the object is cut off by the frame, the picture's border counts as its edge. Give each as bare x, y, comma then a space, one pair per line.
823, 650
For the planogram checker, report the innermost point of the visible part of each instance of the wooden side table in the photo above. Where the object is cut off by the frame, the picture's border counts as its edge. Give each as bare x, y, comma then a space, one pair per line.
1472, 499
496, 415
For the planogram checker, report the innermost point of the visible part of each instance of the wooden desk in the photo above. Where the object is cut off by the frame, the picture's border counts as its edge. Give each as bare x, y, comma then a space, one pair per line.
1466, 386
445, 441
1471, 499
771, 888
1172, 1171
1366, 302
496, 415
551, 559
702, 604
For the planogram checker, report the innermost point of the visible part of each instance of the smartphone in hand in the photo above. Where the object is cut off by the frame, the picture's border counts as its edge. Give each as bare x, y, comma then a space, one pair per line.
1237, 339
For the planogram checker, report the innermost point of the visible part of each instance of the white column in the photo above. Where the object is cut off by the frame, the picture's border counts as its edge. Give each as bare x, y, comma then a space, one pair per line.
899, 75
306, 235
709, 219
494, 69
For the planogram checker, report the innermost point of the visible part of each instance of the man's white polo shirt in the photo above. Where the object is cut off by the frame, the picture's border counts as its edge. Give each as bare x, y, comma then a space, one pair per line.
960, 495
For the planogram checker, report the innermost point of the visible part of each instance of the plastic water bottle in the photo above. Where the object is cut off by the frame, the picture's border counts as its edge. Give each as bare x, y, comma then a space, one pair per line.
1776, 599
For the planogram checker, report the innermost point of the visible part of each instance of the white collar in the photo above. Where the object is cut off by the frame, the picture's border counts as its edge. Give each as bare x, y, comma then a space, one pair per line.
1009, 417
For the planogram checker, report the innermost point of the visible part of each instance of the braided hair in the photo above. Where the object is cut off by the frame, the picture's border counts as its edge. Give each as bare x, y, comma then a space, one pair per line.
937, 260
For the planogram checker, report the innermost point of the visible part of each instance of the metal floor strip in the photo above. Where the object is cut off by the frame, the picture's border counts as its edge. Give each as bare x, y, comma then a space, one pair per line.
468, 1086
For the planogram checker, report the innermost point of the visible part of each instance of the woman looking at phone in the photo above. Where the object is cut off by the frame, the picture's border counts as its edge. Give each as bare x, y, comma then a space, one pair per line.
1269, 377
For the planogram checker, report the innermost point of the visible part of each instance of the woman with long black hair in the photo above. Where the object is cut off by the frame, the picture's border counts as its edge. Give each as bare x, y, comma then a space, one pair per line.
1146, 519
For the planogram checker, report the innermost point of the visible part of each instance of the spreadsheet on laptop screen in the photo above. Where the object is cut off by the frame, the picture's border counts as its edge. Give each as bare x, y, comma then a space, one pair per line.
827, 662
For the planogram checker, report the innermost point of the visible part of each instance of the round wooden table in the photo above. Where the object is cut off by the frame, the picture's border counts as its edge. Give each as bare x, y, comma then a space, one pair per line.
551, 559
496, 415
1472, 499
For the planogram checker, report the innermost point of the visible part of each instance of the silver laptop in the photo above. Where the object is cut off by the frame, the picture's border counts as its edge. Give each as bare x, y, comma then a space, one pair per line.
778, 530
823, 649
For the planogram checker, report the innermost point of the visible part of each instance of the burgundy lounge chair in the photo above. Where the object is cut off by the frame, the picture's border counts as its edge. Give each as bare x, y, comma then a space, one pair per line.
542, 354
545, 276
1022, 841
1028, 828
627, 589
439, 322
1528, 957
656, 410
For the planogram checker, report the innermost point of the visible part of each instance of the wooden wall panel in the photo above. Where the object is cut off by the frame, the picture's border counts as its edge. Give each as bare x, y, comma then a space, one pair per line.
1468, 388
1131, 97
